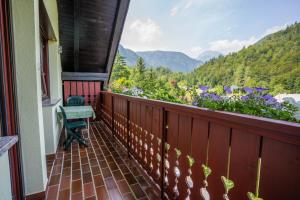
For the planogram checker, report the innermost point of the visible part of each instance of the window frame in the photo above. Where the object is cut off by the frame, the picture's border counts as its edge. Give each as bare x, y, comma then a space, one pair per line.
44, 67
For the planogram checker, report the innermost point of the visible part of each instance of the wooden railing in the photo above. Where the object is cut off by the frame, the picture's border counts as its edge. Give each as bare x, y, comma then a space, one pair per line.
90, 90
259, 155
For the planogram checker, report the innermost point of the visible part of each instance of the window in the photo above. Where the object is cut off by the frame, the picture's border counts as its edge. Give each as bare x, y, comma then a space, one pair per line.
44, 68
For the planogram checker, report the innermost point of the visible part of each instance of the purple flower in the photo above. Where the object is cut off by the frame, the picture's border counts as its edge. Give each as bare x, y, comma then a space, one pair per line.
260, 89
227, 89
245, 98
215, 97
270, 100
203, 88
248, 90
267, 97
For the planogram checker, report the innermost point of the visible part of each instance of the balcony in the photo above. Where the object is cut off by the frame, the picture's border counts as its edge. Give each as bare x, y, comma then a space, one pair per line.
134, 144
135, 136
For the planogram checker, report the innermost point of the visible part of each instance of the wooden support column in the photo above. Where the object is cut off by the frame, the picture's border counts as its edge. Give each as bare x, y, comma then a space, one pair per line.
76, 35
112, 116
127, 128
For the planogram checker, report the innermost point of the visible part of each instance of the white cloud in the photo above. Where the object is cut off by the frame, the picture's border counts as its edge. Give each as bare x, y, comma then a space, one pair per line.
274, 29
174, 11
181, 6
227, 46
142, 34
145, 30
194, 52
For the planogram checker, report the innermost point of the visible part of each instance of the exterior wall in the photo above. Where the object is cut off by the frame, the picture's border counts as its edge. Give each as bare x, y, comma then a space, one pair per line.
27, 62
52, 127
5, 182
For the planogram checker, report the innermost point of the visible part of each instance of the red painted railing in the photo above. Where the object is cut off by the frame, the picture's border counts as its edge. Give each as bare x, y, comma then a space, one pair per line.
90, 90
259, 155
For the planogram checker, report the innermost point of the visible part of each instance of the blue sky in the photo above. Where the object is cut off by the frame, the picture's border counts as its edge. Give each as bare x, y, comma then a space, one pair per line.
194, 26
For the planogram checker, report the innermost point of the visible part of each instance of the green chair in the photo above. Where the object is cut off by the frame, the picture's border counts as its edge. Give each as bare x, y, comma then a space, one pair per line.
73, 130
75, 101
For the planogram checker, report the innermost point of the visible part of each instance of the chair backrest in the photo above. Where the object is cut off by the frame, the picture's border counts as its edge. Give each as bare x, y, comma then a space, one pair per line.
75, 101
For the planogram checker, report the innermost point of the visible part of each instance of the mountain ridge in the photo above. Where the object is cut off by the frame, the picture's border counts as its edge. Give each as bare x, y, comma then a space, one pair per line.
175, 61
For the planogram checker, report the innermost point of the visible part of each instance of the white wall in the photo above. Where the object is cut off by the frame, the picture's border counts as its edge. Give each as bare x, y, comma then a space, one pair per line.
52, 127
27, 61
5, 182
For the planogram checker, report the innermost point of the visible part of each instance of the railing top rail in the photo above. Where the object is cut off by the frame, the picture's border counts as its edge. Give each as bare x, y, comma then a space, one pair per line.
288, 131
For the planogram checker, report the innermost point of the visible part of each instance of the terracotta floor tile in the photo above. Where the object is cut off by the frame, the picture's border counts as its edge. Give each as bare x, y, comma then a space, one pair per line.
137, 190
75, 165
77, 196
130, 178
87, 178
76, 186
130, 197
52, 192
98, 181
115, 194
106, 173
54, 180
98, 172
118, 175
67, 171
88, 190
64, 195
76, 174
91, 198
102, 193
124, 187
110, 183
65, 183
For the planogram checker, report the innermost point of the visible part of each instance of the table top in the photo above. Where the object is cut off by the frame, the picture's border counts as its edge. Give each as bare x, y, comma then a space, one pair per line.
78, 112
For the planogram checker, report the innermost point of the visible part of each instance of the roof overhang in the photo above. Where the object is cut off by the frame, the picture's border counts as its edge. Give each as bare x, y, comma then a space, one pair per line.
90, 33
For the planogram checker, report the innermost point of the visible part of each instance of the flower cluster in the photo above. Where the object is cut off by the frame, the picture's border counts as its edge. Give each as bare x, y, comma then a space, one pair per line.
252, 101
136, 92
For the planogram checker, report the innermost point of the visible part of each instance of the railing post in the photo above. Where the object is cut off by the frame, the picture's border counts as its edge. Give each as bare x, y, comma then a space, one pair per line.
112, 116
127, 127
164, 140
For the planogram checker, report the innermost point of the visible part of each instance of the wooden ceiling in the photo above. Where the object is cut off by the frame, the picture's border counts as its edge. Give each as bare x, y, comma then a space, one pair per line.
90, 32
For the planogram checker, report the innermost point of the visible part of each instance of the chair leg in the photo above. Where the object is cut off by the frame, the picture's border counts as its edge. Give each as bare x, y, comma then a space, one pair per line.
68, 142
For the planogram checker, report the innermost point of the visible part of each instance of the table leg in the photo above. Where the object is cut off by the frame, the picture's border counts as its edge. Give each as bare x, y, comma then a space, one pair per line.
88, 121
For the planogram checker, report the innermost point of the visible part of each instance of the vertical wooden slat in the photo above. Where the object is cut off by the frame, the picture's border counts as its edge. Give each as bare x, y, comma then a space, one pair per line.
73, 88
184, 144
217, 158
66, 90
243, 167
280, 172
172, 139
199, 143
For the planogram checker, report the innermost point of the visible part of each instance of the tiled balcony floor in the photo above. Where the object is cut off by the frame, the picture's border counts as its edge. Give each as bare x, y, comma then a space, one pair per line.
101, 171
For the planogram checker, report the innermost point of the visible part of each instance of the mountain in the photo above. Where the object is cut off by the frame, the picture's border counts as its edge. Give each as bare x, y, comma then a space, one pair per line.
207, 55
129, 55
273, 62
176, 61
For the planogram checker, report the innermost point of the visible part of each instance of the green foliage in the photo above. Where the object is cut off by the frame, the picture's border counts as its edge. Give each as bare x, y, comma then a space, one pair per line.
273, 62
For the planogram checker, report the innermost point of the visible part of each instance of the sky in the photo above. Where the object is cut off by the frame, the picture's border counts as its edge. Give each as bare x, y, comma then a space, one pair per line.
195, 26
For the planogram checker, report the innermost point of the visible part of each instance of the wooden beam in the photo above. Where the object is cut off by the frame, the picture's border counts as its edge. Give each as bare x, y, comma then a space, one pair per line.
120, 17
84, 76
76, 35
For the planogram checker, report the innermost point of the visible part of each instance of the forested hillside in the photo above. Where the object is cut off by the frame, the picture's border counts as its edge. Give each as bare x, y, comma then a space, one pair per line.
273, 62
